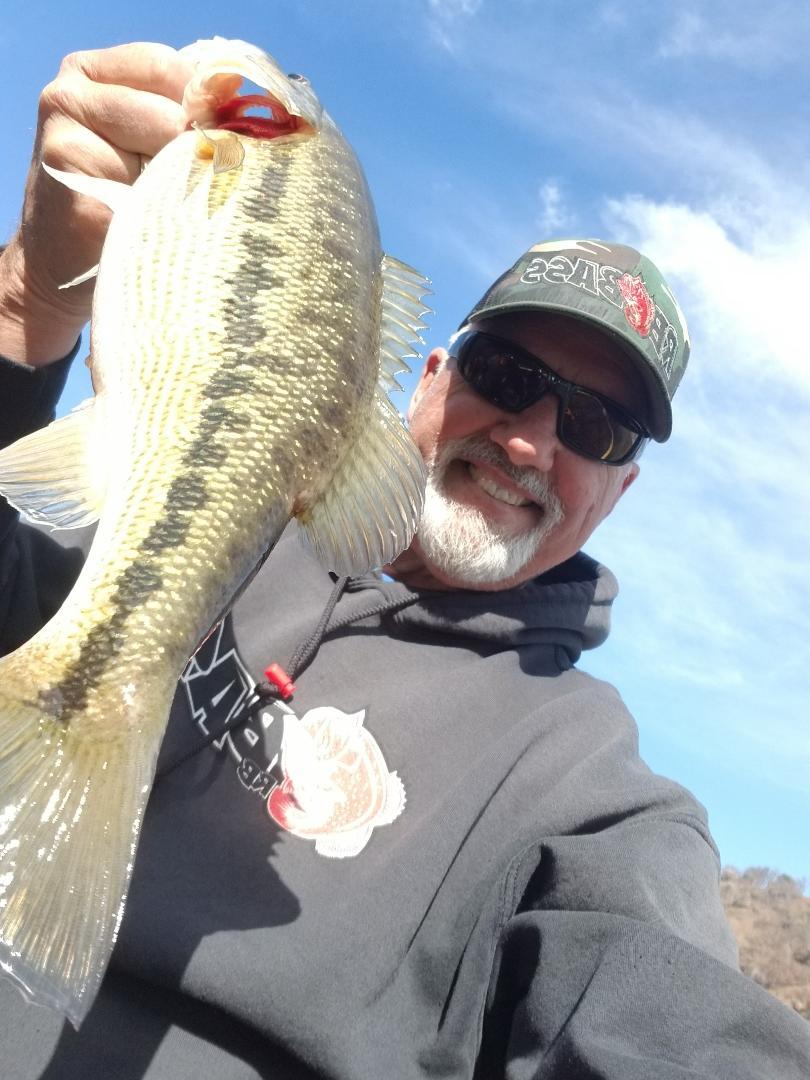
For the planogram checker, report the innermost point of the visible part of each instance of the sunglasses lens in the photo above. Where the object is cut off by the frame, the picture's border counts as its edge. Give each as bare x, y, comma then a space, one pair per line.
512, 379
588, 427
498, 375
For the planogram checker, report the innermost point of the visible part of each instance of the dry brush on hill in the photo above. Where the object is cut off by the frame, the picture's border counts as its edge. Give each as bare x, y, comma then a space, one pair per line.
770, 917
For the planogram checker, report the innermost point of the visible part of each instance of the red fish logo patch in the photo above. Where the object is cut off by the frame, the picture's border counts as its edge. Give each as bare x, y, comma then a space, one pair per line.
336, 788
639, 308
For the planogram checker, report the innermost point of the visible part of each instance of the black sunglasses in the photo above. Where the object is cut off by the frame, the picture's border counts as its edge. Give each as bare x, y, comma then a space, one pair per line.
512, 379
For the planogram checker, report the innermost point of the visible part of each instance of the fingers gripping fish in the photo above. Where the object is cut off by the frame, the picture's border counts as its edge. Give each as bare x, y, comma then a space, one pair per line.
246, 330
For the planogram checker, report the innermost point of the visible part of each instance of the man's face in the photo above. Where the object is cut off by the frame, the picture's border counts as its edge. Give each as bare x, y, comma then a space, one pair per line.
506, 500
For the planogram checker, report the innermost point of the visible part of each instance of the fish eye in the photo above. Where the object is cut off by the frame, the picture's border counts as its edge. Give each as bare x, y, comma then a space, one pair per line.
295, 77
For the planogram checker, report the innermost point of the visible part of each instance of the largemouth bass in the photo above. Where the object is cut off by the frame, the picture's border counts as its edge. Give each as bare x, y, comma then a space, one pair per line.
246, 329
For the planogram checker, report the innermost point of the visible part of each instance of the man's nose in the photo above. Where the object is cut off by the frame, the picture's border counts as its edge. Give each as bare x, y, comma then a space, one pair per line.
530, 437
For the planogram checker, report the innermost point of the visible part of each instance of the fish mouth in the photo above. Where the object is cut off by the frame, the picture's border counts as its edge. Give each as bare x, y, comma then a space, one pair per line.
261, 116
280, 104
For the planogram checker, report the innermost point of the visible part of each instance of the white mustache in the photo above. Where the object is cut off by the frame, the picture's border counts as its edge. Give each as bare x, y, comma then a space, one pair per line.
537, 486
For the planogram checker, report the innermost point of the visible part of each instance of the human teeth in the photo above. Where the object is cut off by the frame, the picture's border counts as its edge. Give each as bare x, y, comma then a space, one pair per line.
495, 490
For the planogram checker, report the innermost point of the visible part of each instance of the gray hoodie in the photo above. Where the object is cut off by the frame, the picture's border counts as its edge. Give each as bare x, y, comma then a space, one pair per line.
442, 857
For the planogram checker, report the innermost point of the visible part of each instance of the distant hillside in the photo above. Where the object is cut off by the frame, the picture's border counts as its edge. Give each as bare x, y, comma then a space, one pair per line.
770, 917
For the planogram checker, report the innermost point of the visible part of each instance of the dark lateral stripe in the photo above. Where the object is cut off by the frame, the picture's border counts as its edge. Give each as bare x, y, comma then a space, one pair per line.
186, 496
257, 273
188, 493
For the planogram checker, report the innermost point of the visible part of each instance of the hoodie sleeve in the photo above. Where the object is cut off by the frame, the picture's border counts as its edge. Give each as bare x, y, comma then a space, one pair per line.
35, 571
619, 965
29, 395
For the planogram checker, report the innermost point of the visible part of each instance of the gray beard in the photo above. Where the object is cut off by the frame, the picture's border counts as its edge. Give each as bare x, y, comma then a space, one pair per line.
460, 541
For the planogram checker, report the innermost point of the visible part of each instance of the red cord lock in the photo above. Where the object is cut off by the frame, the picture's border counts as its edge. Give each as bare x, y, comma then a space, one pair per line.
276, 674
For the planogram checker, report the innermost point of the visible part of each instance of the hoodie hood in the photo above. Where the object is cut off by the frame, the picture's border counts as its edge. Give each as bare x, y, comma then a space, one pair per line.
567, 607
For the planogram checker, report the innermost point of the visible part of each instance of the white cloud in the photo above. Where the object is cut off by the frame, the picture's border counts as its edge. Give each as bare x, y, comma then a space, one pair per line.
748, 300
553, 214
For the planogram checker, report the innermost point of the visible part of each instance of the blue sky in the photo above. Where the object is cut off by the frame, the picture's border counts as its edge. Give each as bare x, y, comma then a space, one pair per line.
487, 125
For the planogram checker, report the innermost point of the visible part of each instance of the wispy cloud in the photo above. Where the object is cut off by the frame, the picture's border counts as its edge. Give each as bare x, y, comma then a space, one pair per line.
473, 229
454, 9
445, 18
612, 14
553, 214
729, 32
616, 82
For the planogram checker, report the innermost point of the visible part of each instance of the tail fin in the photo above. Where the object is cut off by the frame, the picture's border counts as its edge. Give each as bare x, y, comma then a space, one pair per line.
70, 813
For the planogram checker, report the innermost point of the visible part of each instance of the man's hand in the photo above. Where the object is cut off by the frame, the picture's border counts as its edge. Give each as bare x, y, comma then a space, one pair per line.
104, 113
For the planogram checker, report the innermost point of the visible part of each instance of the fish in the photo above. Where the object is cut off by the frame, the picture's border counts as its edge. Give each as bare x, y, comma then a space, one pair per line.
247, 329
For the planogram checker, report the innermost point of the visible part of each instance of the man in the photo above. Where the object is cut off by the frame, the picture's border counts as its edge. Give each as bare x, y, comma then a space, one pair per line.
484, 880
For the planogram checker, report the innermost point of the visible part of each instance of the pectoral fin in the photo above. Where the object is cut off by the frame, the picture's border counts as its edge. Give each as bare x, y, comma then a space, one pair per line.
86, 276
224, 148
56, 476
110, 192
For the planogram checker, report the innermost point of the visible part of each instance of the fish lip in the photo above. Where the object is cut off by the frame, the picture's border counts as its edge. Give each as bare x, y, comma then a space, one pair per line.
504, 481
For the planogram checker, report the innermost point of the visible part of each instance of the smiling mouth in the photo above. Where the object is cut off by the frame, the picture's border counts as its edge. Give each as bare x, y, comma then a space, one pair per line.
493, 488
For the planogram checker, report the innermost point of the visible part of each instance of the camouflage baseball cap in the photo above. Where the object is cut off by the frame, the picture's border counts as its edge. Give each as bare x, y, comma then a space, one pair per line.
615, 288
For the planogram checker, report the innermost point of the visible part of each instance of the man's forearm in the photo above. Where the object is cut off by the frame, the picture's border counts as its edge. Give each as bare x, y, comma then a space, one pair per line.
33, 330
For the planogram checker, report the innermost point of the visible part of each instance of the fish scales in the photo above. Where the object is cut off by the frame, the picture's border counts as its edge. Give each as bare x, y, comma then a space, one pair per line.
236, 342
317, 281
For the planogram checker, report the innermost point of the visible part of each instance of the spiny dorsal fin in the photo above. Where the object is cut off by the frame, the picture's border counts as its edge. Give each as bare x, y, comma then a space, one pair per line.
401, 325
